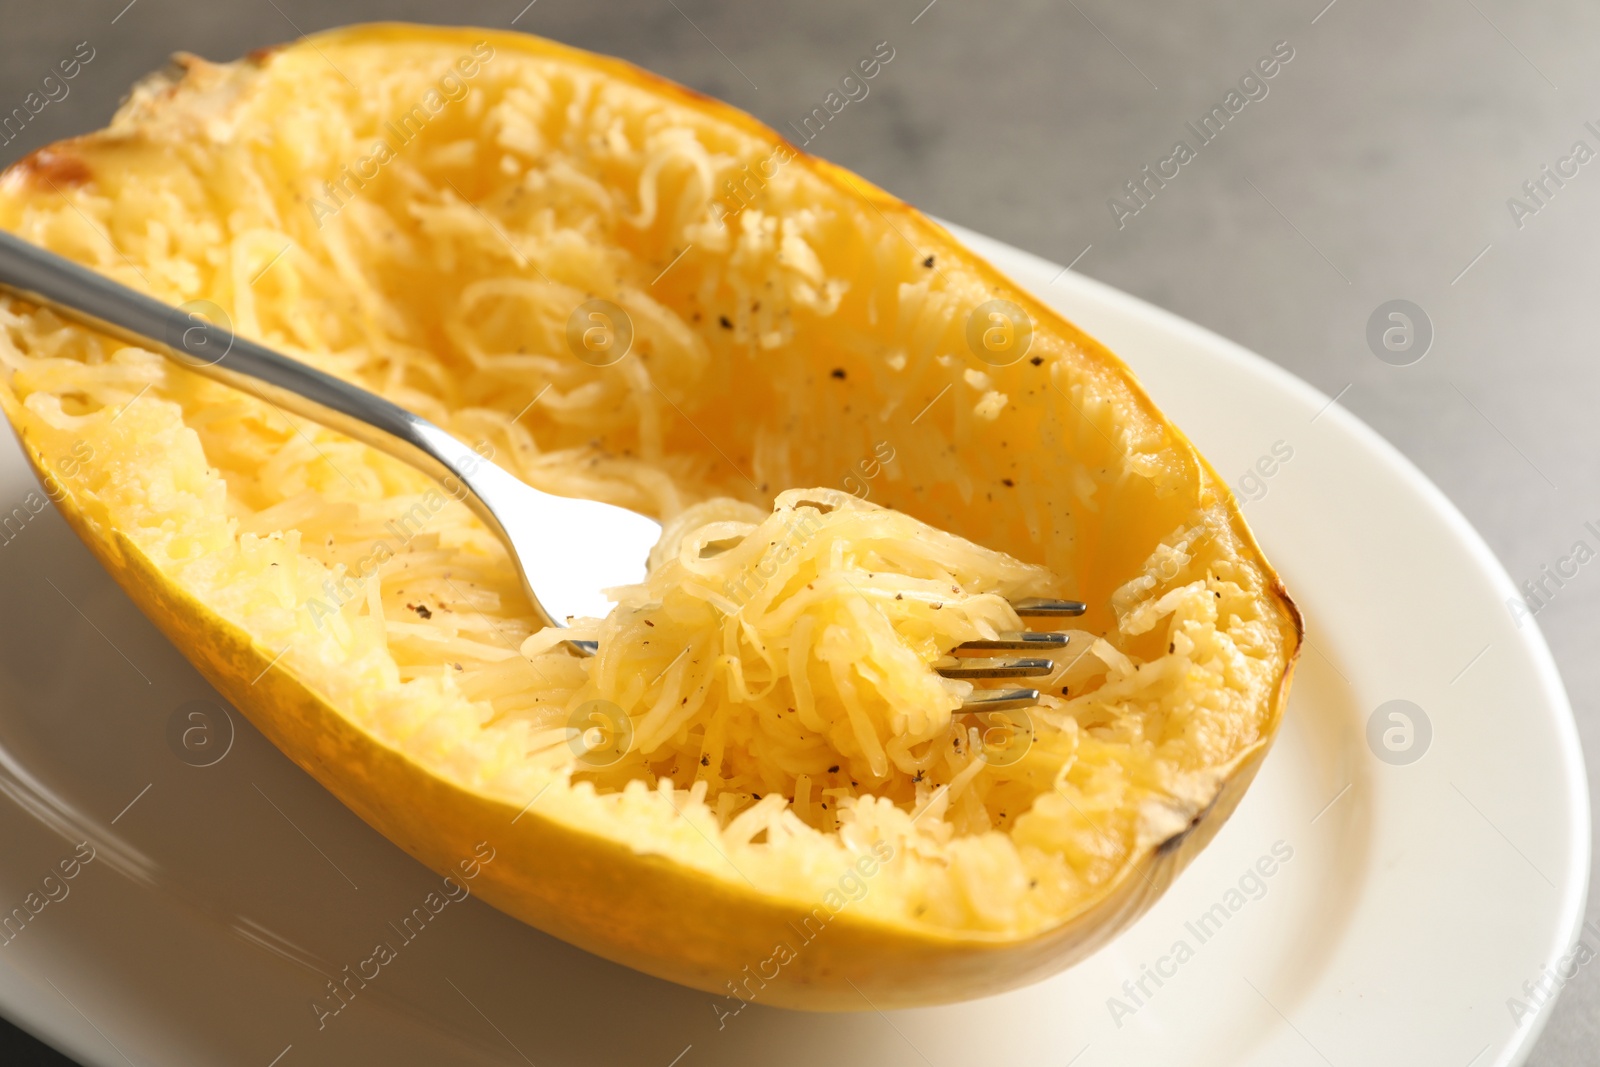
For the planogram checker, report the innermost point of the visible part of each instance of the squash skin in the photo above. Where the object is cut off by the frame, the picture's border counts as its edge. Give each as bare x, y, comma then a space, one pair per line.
644, 911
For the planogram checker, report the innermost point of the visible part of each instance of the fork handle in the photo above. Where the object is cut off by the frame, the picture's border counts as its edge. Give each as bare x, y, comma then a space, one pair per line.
185, 335
213, 349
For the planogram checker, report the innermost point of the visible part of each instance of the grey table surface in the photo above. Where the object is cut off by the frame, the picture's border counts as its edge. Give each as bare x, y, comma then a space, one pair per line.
1380, 165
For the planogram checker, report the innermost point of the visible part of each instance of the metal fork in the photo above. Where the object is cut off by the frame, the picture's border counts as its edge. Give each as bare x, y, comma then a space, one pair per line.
1016, 641
566, 550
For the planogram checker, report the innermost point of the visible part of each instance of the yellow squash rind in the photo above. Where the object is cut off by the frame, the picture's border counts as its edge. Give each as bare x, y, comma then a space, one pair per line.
641, 910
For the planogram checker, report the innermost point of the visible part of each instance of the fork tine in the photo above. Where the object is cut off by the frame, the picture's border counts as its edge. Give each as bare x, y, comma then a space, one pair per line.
998, 700
1038, 607
1016, 668
1025, 640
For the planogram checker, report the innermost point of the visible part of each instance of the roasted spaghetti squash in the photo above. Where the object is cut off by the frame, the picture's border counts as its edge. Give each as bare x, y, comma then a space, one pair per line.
863, 443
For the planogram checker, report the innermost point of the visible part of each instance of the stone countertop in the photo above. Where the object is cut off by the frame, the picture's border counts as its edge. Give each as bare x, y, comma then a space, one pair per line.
1379, 165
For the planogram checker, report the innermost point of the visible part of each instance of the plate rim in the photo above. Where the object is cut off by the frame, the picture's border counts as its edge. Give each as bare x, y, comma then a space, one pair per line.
60, 1030
1573, 896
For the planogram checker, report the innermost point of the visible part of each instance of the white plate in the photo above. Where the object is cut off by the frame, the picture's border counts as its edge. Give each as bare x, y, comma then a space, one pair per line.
1418, 899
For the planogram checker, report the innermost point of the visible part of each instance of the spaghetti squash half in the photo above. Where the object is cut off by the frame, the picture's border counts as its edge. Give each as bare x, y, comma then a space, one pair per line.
863, 443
